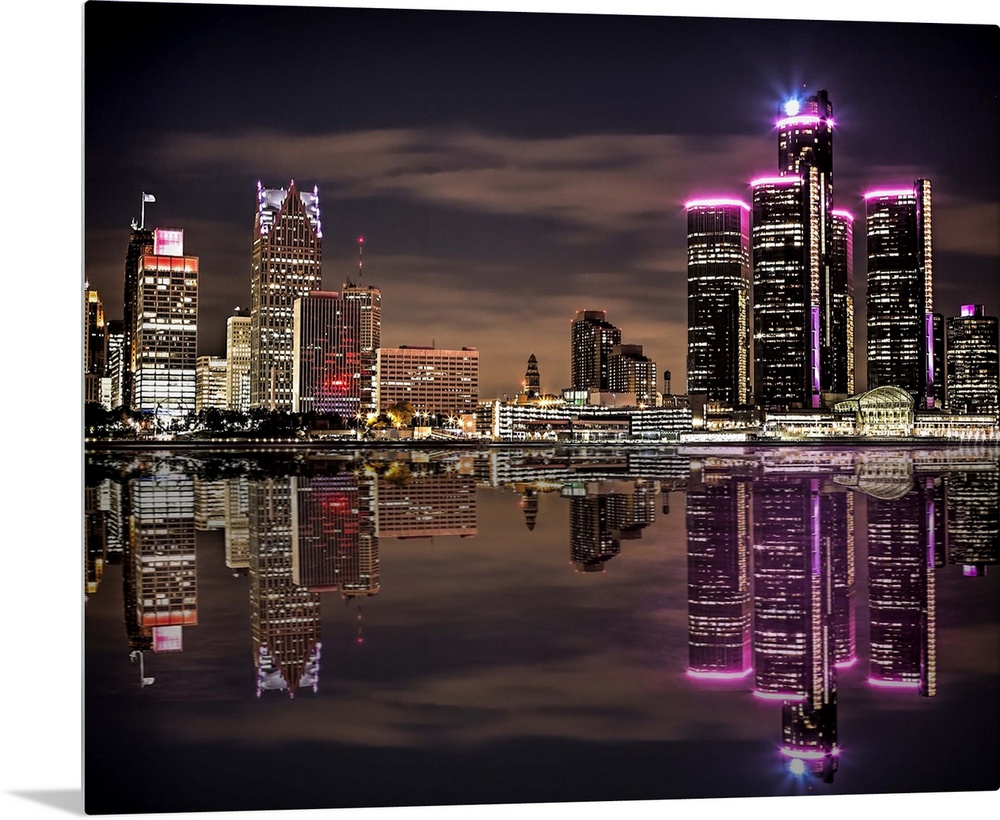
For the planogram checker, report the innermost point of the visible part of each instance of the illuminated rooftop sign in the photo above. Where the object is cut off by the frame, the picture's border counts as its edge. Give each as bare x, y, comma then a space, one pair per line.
168, 242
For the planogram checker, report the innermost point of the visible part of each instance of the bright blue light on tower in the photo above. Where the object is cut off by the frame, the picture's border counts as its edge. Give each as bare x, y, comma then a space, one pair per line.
791, 107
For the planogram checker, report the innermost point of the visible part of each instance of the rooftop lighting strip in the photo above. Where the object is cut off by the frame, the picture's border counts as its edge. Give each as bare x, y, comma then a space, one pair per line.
789, 180
715, 203
882, 194
803, 119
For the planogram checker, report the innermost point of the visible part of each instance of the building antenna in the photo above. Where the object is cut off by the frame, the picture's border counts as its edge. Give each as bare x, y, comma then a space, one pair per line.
361, 256
145, 198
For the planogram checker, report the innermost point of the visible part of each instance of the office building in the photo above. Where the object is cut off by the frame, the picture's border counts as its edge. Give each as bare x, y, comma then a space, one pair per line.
786, 292
719, 306
165, 333
802, 277
140, 243
116, 362
591, 338
369, 311
238, 361
629, 371
901, 324
837, 344
95, 346
326, 354
973, 362
439, 382
286, 264
210, 383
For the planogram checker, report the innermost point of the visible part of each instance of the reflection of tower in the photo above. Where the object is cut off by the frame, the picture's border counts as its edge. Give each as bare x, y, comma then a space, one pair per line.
416, 505
794, 557
332, 540
209, 503
591, 543
529, 505
162, 556
285, 617
718, 548
973, 520
903, 536
237, 524
602, 514
95, 540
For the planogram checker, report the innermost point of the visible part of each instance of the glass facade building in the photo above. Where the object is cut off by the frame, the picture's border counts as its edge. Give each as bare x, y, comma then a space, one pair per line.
592, 338
326, 354
973, 362
287, 259
900, 300
719, 304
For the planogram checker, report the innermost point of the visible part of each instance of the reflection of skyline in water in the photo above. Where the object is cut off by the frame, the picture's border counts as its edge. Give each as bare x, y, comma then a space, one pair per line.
771, 556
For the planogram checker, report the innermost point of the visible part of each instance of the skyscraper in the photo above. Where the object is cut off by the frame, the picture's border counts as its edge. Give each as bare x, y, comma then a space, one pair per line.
592, 338
165, 333
368, 301
238, 361
802, 277
786, 292
719, 332
326, 354
140, 242
95, 346
116, 362
973, 362
286, 264
900, 291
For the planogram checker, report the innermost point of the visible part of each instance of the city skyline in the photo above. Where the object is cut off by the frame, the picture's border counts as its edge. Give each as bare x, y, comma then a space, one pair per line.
478, 213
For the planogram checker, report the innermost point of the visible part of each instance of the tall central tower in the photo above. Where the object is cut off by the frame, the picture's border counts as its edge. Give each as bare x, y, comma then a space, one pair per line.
287, 259
803, 299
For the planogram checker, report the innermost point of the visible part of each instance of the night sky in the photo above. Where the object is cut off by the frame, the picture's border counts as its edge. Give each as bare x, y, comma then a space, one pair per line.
509, 169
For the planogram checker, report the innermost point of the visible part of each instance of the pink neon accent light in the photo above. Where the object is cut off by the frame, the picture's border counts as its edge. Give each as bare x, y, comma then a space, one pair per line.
774, 181
887, 193
847, 664
714, 203
700, 675
894, 684
803, 119
843, 214
778, 695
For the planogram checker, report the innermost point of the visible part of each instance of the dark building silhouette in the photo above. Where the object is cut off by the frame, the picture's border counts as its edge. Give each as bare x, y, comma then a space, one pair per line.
592, 339
973, 354
719, 303
900, 296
